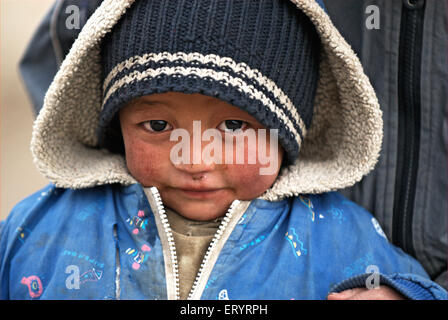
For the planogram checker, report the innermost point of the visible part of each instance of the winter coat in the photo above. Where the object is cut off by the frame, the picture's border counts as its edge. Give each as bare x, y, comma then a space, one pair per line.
83, 244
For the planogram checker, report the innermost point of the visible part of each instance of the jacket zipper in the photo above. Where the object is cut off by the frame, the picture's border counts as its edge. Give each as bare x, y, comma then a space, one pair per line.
213, 249
160, 210
409, 108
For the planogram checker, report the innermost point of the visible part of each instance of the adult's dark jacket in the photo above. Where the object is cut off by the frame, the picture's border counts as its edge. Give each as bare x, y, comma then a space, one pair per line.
406, 61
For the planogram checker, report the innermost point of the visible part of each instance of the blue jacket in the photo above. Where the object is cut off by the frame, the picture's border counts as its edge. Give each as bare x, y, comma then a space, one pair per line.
113, 242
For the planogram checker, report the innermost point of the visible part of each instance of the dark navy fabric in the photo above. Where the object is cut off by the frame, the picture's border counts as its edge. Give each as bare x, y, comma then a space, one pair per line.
67, 244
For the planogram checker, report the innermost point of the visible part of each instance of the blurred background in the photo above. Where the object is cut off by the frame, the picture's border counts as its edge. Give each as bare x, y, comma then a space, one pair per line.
18, 176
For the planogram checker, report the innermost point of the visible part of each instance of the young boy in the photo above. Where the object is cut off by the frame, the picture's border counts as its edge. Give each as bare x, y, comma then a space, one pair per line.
171, 135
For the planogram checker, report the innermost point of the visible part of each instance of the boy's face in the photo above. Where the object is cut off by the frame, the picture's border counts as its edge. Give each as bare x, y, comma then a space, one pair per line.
198, 190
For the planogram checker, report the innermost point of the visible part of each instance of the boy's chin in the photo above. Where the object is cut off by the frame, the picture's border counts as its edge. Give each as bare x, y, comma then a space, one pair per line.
201, 211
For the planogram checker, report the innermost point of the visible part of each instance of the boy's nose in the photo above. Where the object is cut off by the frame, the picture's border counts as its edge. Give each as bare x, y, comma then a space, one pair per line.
196, 162
196, 170
195, 159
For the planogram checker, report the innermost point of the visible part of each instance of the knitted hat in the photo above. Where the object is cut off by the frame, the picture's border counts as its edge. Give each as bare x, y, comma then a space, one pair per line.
261, 56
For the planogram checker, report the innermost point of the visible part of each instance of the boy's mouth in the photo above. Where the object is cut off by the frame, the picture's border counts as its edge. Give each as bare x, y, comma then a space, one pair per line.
200, 193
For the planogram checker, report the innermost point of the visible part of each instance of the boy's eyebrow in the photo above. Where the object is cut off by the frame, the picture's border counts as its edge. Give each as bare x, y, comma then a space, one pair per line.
143, 105
151, 102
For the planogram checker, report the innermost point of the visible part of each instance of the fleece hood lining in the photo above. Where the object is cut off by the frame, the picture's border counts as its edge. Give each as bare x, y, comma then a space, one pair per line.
341, 146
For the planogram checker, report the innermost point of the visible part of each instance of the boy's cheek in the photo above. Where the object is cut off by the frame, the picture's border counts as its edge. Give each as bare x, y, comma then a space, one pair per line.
144, 163
248, 181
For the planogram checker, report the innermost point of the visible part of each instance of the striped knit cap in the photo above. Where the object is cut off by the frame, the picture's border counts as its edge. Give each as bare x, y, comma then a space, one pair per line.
261, 56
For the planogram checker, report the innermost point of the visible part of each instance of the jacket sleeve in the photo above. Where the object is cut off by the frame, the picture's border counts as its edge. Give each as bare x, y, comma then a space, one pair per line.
12, 229
381, 262
4, 265
411, 286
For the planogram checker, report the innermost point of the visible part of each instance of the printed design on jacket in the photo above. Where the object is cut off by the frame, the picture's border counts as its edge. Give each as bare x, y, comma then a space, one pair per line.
89, 210
307, 202
22, 233
359, 266
210, 282
77, 264
254, 242
138, 257
92, 275
138, 222
35, 287
242, 221
378, 228
296, 245
83, 256
337, 214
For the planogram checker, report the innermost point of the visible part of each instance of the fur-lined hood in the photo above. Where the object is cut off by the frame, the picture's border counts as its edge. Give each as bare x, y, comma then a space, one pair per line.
342, 145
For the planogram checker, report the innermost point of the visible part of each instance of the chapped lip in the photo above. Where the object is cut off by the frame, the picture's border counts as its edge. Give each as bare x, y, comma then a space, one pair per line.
200, 193
199, 189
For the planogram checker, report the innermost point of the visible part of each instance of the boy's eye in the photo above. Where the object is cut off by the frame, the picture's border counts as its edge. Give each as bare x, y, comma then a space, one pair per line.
157, 125
232, 126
